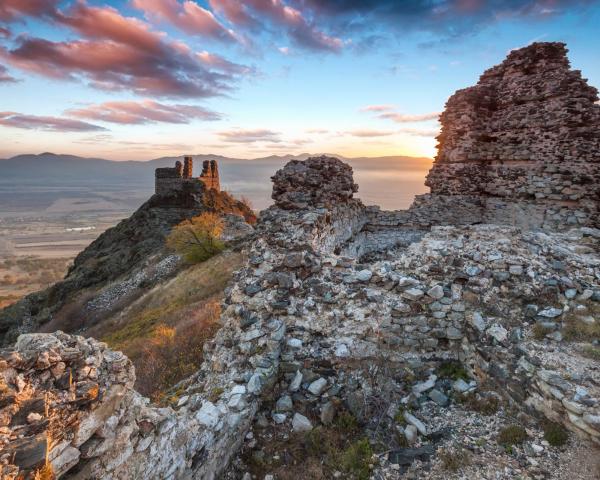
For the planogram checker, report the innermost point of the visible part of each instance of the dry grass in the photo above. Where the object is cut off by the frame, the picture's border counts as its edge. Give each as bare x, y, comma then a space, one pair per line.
172, 354
164, 331
575, 329
454, 459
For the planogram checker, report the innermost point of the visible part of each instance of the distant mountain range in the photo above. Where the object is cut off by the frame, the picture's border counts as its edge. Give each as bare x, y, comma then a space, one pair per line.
375, 175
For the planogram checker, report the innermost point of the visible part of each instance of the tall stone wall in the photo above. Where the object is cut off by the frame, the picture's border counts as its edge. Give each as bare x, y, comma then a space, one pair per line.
527, 133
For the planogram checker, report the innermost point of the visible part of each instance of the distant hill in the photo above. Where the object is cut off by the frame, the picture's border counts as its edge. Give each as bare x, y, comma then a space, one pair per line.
382, 179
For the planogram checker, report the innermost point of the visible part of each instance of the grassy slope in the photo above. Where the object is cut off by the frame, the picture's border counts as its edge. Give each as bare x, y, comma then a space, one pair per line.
163, 331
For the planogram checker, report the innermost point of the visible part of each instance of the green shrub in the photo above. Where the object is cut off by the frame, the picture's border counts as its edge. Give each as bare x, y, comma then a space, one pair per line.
555, 434
198, 238
356, 459
453, 370
512, 435
454, 459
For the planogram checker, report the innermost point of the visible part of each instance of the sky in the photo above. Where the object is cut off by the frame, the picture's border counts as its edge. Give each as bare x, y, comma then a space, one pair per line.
141, 79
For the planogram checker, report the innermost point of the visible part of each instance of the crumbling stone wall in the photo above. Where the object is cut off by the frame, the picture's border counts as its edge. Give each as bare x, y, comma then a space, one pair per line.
527, 134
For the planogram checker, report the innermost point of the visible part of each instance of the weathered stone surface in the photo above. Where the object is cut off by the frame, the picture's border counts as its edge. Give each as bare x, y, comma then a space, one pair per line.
524, 140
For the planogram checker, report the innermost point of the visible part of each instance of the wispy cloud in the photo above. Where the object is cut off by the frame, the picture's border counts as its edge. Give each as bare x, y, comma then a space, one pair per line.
50, 124
369, 133
252, 13
187, 16
6, 77
377, 108
420, 133
121, 53
389, 112
11, 10
142, 112
250, 136
407, 118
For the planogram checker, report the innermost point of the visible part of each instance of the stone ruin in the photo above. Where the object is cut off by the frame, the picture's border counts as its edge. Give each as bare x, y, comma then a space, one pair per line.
175, 179
337, 297
523, 145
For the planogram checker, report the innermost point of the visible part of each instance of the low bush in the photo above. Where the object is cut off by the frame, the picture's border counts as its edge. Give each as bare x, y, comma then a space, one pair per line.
197, 239
592, 352
512, 435
454, 459
555, 434
172, 354
484, 404
453, 370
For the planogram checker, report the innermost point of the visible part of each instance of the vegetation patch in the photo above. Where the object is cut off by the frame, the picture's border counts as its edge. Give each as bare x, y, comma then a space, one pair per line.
577, 330
172, 354
485, 404
197, 239
539, 332
512, 435
454, 459
591, 352
164, 332
555, 434
314, 455
453, 370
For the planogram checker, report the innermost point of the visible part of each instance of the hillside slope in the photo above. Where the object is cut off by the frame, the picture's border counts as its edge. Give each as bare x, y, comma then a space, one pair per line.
120, 262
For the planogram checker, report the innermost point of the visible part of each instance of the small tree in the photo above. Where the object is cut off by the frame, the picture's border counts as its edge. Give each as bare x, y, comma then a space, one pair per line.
198, 238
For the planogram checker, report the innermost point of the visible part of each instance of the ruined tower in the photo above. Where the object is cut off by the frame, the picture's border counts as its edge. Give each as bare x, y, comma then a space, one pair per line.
173, 179
210, 175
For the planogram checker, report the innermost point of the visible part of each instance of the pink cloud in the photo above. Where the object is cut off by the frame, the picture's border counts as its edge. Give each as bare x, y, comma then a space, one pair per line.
50, 124
5, 32
377, 108
250, 136
370, 133
292, 20
387, 112
187, 16
235, 11
122, 53
11, 10
6, 77
217, 62
107, 23
404, 118
145, 111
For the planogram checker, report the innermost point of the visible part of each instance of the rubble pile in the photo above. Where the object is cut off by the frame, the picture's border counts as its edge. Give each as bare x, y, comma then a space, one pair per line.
297, 187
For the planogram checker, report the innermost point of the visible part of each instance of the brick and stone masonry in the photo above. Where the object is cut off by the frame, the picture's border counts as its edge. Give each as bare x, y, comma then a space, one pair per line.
173, 179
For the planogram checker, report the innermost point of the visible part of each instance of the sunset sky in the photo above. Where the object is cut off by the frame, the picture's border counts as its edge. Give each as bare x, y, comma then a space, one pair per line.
140, 79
